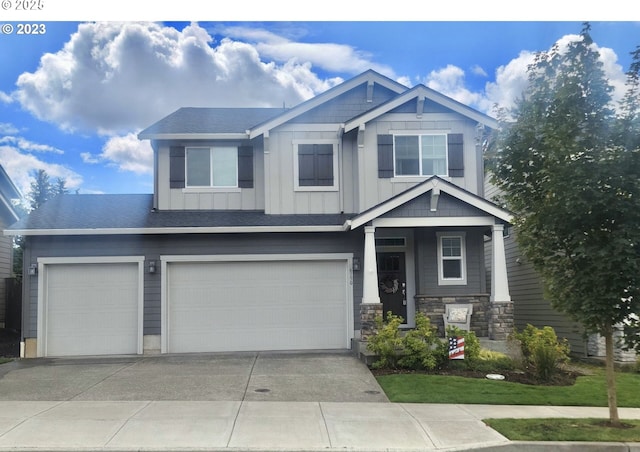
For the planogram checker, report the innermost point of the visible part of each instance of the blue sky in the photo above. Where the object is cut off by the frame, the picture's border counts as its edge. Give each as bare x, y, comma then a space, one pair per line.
73, 99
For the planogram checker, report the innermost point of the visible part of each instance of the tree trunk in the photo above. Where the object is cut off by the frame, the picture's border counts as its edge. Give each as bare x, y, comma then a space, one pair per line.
612, 399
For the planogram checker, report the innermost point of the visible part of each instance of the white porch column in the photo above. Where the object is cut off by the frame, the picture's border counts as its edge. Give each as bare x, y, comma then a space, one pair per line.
499, 279
370, 278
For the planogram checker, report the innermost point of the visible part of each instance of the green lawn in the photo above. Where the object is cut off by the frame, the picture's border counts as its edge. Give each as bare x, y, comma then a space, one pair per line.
5, 360
565, 430
589, 390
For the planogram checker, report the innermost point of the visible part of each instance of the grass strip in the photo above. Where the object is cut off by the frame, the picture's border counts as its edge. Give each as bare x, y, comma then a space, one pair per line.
562, 429
589, 390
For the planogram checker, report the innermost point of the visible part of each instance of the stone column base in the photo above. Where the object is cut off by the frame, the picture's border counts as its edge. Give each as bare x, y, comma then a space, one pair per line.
501, 320
368, 314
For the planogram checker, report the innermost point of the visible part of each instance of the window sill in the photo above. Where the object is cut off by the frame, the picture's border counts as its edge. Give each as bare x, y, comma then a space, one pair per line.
212, 190
452, 282
413, 179
316, 189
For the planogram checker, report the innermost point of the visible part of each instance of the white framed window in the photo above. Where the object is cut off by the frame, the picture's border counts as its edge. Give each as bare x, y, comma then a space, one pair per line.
420, 155
212, 167
452, 261
315, 165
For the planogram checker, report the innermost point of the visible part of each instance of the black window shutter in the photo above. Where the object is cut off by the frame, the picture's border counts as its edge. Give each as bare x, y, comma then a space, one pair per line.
245, 167
176, 167
456, 154
324, 164
385, 156
306, 165
315, 165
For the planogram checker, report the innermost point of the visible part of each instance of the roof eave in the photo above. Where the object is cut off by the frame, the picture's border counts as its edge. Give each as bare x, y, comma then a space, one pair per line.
424, 187
368, 76
427, 93
194, 136
174, 230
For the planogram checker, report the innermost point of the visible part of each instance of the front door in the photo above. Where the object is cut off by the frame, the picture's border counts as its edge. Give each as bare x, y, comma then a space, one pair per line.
392, 283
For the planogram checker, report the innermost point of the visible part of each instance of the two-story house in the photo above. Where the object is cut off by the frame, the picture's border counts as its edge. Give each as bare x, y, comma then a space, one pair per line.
275, 229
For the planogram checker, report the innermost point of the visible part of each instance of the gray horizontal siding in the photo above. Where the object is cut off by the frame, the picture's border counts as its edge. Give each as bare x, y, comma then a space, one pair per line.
427, 264
152, 247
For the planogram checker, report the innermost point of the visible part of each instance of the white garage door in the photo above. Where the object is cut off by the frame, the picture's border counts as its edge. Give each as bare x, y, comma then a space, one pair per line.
91, 309
252, 306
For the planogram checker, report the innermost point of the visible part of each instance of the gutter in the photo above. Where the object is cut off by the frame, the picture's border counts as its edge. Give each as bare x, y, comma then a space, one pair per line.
183, 230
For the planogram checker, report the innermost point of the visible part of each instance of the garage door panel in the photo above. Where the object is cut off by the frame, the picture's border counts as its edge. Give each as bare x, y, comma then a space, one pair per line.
239, 306
91, 309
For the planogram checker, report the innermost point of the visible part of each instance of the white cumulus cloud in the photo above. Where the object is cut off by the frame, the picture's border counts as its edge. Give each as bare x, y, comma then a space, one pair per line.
125, 152
118, 77
20, 167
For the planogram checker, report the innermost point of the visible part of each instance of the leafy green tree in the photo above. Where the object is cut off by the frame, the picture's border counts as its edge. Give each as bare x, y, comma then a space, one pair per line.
568, 167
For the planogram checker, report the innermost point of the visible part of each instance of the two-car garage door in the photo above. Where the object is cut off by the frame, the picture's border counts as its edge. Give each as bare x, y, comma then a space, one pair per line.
257, 305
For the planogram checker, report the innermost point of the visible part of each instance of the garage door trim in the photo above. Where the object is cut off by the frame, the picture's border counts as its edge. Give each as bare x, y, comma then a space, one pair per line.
43, 265
168, 259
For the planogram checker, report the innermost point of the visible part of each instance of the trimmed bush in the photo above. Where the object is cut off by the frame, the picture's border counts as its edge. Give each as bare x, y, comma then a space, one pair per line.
542, 351
413, 349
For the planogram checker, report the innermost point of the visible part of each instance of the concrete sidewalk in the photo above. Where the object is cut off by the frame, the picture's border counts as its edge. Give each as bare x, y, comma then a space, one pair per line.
272, 426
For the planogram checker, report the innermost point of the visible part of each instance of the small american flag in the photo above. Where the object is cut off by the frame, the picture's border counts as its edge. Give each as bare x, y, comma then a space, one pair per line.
456, 348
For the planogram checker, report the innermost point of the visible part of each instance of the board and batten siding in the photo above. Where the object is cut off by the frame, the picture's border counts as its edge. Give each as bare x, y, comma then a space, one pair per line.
207, 199
152, 247
527, 293
374, 189
282, 197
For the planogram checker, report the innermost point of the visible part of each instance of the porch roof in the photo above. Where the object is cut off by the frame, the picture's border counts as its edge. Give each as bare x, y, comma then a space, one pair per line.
486, 212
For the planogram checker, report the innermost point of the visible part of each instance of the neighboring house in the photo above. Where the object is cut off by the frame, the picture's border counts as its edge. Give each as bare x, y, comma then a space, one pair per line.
8, 216
275, 229
531, 306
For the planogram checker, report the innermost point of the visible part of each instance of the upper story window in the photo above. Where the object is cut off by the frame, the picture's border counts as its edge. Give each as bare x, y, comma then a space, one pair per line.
315, 165
420, 155
451, 259
215, 167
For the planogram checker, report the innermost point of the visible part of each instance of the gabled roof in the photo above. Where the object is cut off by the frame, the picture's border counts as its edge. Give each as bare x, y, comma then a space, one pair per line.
428, 185
134, 214
203, 123
369, 77
243, 123
421, 92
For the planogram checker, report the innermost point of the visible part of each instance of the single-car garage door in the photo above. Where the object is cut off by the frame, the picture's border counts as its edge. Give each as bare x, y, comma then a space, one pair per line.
91, 309
257, 305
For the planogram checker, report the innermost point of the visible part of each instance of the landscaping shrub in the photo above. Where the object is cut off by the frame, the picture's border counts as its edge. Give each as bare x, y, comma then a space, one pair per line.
413, 349
418, 345
386, 342
542, 351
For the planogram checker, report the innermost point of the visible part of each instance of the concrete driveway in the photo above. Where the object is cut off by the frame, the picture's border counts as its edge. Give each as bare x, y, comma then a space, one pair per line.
291, 377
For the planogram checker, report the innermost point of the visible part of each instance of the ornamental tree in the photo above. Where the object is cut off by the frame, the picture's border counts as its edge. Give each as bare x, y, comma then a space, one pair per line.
569, 167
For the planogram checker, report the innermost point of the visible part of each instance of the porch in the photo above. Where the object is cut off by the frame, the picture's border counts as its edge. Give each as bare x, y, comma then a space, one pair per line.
424, 250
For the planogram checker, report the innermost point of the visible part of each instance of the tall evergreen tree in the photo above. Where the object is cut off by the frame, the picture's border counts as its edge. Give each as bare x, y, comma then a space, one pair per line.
568, 168
41, 190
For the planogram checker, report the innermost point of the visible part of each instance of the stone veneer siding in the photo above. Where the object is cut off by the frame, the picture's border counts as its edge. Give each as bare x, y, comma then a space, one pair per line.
368, 314
492, 320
